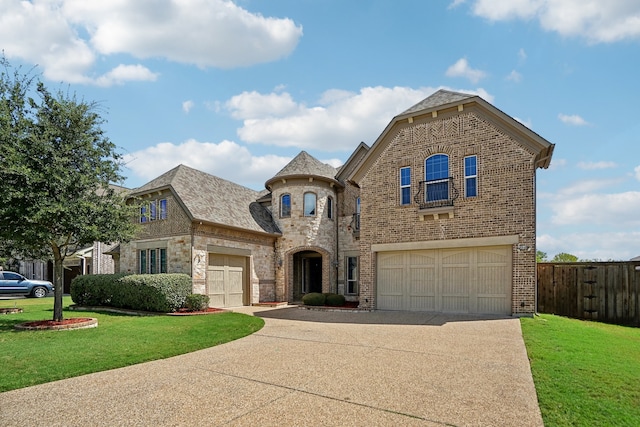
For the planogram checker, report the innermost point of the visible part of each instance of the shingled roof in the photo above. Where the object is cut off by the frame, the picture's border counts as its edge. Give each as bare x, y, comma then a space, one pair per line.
438, 99
214, 200
305, 165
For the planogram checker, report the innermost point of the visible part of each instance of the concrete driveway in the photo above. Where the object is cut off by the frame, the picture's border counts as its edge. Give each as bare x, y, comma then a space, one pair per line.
307, 368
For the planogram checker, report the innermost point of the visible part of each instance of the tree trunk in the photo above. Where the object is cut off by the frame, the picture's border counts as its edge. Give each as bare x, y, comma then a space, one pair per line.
58, 283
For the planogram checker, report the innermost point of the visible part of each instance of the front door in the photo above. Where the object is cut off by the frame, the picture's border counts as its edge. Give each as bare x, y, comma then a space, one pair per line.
307, 274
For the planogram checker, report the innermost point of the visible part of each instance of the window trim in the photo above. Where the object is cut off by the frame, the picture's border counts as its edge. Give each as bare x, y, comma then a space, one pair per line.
153, 210
313, 212
282, 197
405, 186
469, 177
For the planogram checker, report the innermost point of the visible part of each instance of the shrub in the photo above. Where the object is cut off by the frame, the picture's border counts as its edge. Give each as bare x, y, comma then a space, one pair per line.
314, 298
162, 293
196, 302
335, 300
94, 289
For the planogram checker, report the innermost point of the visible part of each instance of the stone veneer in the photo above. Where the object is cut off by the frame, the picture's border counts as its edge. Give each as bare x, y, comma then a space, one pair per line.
505, 205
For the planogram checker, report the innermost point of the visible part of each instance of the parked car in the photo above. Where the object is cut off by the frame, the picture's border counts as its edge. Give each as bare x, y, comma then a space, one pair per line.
14, 283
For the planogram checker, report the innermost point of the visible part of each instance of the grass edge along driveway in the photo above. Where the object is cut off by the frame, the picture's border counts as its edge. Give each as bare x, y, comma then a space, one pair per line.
35, 357
585, 373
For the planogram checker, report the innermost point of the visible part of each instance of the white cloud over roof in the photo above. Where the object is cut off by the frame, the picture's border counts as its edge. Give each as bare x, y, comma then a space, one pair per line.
67, 37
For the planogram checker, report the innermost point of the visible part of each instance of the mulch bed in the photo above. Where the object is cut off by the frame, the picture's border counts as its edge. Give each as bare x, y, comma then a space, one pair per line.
64, 325
10, 310
185, 312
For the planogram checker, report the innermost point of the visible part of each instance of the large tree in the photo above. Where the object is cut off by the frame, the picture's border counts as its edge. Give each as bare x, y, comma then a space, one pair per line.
57, 168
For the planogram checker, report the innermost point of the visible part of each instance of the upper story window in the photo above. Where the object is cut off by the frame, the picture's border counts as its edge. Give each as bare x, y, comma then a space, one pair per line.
436, 171
285, 206
356, 216
330, 207
405, 186
153, 210
471, 176
309, 204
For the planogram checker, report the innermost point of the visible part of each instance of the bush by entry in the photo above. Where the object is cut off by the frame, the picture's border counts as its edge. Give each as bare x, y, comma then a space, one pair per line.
318, 299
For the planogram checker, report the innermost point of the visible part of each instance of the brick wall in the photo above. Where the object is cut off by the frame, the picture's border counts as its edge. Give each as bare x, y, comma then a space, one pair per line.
505, 204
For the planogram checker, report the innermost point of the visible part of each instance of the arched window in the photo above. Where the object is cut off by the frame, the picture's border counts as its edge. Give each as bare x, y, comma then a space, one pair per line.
436, 175
309, 204
330, 207
285, 206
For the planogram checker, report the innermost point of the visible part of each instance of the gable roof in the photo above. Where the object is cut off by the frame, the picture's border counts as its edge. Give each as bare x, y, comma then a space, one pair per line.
444, 100
214, 200
352, 162
305, 165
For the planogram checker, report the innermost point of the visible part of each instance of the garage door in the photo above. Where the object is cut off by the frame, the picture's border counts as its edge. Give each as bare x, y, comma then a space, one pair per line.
225, 280
465, 280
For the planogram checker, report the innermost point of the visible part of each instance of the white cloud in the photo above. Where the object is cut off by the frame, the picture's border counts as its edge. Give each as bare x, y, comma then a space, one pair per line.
226, 159
597, 165
455, 3
126, 73
595, 20
587, 186
67, 37
574, 120
637, 171
462, 69
619, 210
522, 55
557, 163
527, 122
187, 106
337, 122
514, 76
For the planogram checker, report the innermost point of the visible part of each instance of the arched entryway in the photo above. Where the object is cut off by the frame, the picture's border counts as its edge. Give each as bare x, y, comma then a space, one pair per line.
307, 273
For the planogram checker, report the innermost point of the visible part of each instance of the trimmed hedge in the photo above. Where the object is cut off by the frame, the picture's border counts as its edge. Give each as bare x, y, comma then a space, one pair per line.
163, 293
314, 298
335, 300
197, 302
94, 289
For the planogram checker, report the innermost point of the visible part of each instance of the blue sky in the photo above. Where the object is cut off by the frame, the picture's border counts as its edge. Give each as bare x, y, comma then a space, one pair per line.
237, 89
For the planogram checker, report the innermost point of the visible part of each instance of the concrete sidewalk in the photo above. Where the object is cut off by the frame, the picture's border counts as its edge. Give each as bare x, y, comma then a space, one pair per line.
310, 368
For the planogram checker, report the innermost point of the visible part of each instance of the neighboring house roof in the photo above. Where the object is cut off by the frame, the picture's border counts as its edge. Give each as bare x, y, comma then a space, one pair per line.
636, 258
447, 100
353, 161
305, 165
214, 200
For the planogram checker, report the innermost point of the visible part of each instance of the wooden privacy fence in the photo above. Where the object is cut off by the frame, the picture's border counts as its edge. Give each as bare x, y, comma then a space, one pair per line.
603, 291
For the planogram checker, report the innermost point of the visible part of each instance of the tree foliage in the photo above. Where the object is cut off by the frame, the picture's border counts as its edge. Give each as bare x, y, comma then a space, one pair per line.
564, 257
541, 256
57, 175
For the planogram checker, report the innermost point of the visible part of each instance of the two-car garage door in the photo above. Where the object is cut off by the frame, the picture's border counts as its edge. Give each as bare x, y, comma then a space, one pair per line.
461, 280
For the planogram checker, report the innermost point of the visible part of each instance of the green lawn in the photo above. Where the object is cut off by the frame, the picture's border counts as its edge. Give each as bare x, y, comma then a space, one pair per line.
586, 373
34, 357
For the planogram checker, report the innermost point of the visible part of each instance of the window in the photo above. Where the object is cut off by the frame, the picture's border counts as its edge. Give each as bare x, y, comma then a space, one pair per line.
285, 206
330, 207
153, 210
352, 275
470, 176
309, 204
405, 186
356, 216
436, 171
153, 261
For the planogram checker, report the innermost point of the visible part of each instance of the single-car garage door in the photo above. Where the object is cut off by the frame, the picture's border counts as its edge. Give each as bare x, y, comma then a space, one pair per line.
225, 280
464, 280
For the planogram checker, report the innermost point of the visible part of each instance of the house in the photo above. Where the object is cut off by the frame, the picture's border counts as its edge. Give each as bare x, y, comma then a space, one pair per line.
437, 215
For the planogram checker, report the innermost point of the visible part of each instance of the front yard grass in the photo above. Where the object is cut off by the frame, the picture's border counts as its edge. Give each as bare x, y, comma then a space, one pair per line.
585, 373
34, 357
